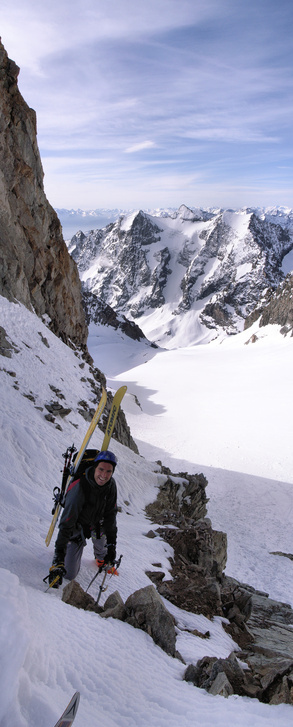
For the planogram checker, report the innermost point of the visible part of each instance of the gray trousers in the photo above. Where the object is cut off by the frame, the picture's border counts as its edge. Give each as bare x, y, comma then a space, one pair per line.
74, 553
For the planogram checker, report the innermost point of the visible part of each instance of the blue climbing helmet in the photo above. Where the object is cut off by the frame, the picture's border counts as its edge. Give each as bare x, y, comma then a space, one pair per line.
106, 456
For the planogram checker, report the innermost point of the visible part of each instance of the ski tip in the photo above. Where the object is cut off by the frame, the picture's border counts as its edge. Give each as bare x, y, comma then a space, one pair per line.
122, 390
68, 715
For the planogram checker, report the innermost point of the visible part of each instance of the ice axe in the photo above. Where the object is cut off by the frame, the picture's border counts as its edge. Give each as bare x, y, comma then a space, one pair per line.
104, 568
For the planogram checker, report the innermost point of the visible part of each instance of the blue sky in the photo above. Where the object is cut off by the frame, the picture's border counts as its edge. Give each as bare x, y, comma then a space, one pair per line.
158, 103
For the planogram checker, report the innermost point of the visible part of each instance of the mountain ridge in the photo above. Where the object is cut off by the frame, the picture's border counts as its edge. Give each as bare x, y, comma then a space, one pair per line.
187, 276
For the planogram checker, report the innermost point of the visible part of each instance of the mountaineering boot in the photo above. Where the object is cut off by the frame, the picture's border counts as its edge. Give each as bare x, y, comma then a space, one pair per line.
56, 573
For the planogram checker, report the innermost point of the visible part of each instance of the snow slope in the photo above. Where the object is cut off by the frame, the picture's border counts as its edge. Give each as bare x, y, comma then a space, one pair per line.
224, 410
49, 649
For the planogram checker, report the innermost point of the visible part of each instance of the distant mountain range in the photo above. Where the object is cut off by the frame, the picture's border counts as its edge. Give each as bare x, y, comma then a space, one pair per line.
189, 275
85, 220
74, 220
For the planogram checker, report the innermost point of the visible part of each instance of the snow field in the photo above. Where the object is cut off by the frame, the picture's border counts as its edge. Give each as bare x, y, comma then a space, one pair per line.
48, 649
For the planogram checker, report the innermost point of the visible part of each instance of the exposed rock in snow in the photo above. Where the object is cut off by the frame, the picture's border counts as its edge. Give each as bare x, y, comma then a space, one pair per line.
276, 308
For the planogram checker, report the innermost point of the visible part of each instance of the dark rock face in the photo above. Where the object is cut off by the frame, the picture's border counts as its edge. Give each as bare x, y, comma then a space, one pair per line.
6, 347
261, 627
74, 594
217, 676
200, 553
180, 496
265, 629
143, 229
35, 267
145, 610
195, 585
277, 308
98, 311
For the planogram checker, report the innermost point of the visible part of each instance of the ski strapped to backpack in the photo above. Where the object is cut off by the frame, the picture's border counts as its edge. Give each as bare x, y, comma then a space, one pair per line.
58, 492
118, 396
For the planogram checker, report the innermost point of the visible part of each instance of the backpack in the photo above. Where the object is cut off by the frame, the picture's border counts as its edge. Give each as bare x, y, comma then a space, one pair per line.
87, 461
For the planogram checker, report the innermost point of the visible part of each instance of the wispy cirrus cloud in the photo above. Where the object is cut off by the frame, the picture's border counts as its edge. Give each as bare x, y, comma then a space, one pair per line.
140, 146
157, 91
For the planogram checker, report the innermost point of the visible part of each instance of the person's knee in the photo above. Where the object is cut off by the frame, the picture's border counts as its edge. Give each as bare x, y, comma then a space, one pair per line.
71, 571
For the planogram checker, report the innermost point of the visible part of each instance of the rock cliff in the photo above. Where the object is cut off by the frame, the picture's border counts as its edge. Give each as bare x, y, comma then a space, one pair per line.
35, 266
277, 308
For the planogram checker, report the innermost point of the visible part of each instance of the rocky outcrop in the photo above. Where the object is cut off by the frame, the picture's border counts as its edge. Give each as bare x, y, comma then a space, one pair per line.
200, 553
277, 308
99, 312
57, 407
6, 346
196, 568
219, 676
261, 627
263, 668
35, 266
144, 610
180, 497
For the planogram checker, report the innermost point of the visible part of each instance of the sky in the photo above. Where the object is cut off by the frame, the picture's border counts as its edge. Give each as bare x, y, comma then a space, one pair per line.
143, 105
49, 649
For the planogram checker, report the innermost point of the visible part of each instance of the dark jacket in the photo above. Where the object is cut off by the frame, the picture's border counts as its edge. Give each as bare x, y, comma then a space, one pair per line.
87, 506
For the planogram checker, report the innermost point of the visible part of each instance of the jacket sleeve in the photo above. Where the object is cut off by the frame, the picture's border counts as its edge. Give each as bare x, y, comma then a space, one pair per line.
110, 513
74, 502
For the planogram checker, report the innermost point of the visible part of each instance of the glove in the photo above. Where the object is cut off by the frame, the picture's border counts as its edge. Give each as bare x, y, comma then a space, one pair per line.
112, 570
111, 554
100, 562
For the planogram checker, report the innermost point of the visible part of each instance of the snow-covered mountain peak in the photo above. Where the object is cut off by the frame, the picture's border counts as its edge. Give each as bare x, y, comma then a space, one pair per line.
189, 275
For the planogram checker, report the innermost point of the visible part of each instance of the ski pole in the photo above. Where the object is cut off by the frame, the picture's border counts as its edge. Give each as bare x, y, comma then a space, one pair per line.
101, 589
95, 576
116, 563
